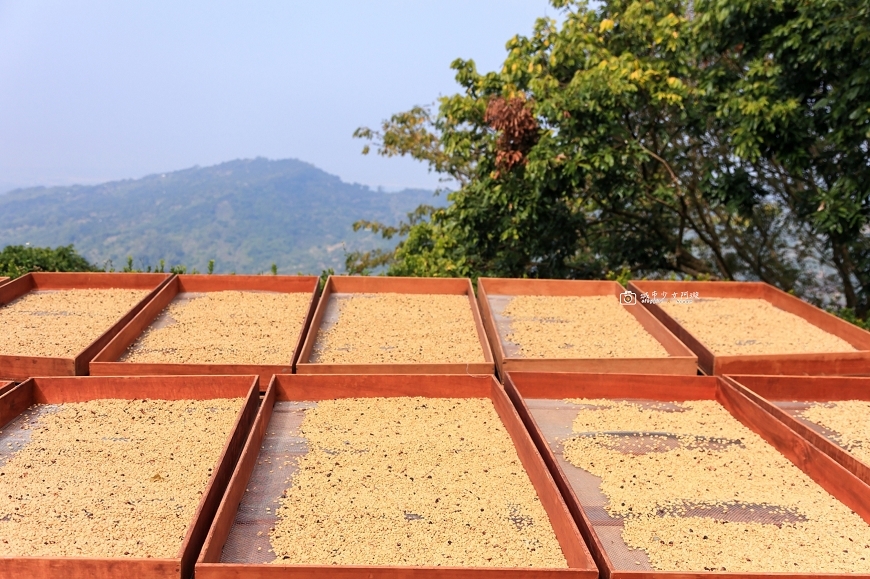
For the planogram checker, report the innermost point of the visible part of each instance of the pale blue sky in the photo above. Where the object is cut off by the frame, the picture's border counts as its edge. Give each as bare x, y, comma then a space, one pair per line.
94, 91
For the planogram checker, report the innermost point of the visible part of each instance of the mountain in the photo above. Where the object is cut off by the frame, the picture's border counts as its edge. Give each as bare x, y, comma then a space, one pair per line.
244, 214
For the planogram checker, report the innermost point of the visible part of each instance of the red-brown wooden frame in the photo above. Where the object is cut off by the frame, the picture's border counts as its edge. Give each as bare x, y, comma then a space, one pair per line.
680, 360
764, 389
81, 389
3, 280
22, 367
6, 387
322, 387
106, 362
824, 470
793, 364
404, 285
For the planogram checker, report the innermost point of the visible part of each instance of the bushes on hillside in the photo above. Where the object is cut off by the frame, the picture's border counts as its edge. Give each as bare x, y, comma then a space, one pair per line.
17, 260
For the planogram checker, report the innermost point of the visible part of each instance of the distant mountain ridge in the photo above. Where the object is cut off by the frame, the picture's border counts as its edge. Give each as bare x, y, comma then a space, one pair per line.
244, 214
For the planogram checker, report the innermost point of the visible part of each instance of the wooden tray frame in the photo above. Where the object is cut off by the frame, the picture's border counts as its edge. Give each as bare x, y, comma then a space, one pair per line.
22, 367
320, 387
681, 359
6, 387
80, 389
792, 364
824, 470
106, 362
763, 389
3, 280
405, 285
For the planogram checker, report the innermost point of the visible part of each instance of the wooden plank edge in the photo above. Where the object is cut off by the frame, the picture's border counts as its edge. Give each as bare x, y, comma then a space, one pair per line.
131, 332
306, 326
264, 372
222, 522
490, 328
88, 568
558, 386
471, 368
267, 571
398, 284
217, 484
575, 508
561, 521
316, 322
83, 358
19, 368
685, 366
824, 470
808, 364
839, 454
482, 338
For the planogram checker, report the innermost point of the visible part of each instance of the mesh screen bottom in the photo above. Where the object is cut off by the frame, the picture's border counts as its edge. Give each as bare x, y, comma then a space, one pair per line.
16, 434
796, 408
555, 419
330, 317
497, 304
248, 541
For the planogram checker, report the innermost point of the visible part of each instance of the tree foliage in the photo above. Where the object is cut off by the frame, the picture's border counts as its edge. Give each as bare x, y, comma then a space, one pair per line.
723, 139
17, 260
792, 80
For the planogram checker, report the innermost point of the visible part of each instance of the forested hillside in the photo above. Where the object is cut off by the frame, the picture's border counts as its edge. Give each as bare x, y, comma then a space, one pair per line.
244, 214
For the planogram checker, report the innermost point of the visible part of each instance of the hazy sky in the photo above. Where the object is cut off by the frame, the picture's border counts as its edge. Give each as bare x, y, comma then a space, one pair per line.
94, 91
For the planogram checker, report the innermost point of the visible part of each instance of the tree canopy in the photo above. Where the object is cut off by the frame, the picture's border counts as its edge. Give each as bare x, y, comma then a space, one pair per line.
714, 139
17, 260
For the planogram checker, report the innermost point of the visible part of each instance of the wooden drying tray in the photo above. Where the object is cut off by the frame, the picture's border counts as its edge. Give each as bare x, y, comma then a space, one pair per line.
319, 387
65, 390
402, 285
107, 363
792, 364
22, 367
680, 358
774, 392
826, 472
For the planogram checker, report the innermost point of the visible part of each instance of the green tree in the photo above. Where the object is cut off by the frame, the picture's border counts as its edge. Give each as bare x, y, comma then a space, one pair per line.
791, 83
17, 260
613, 141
